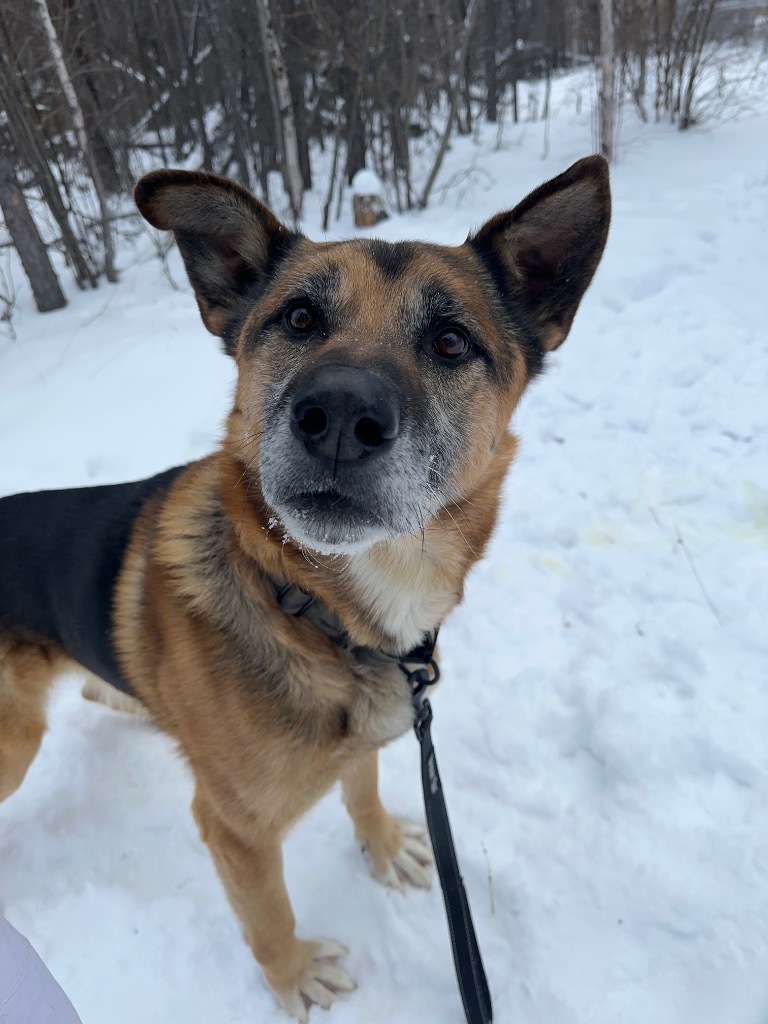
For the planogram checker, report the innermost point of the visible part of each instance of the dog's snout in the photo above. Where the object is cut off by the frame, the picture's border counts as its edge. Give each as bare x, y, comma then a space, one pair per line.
344, 413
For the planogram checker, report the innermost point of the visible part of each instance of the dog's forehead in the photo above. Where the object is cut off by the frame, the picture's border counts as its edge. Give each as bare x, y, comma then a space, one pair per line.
377, 279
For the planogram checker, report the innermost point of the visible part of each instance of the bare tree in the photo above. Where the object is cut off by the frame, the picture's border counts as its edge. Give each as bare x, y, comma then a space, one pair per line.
82, 135
186, 81
28, 137
26, 237
461, 56
607, 80
294, 183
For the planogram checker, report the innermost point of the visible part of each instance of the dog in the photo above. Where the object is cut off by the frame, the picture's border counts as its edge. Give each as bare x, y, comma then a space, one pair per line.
255, 604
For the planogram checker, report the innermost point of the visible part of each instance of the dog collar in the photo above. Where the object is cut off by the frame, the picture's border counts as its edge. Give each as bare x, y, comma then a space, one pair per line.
418, 664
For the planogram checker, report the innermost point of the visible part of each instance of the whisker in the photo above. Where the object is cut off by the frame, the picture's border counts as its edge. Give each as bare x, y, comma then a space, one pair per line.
444, 508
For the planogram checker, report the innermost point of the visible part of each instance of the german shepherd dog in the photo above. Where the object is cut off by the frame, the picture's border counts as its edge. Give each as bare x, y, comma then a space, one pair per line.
360, 474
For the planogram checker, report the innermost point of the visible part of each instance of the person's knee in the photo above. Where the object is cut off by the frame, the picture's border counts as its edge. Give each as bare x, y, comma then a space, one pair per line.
28, 990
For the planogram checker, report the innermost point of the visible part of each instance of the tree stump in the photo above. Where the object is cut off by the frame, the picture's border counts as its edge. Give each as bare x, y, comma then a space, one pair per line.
367, 204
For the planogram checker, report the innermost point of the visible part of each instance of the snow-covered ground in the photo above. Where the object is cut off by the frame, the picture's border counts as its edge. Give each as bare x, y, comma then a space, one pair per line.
603, 727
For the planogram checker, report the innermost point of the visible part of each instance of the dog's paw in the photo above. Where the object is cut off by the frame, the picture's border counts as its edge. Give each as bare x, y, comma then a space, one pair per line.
399, 854
316, 978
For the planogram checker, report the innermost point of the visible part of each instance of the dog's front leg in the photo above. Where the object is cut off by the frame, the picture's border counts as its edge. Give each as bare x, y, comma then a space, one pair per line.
299, 973
398, 851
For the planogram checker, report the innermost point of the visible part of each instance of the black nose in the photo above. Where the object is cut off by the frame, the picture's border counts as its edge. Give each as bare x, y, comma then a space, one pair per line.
343, 413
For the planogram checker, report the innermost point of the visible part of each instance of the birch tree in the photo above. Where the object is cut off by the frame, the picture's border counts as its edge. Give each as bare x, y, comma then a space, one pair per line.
285, 126
78, 122
26, 238
607, 83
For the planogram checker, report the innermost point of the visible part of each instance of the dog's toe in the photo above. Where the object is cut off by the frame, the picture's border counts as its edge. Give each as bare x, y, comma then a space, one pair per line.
292, 1001
401, 856
320, 980
413, 863
328, 949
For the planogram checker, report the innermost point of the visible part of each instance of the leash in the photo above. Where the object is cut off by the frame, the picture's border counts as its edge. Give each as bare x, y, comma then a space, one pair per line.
421, 671
470, 973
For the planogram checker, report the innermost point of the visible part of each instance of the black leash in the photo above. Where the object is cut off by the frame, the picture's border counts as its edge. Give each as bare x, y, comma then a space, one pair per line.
467, 960
421, 671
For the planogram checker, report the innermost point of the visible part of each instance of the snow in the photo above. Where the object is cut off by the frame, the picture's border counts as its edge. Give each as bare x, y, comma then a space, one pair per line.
366, 183
602, 726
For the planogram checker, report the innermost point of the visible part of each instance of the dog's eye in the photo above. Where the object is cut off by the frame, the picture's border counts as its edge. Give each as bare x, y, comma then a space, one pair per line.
301, 317
451, 343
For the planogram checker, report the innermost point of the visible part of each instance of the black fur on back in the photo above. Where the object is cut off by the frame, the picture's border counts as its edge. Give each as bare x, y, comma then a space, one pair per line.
60, 556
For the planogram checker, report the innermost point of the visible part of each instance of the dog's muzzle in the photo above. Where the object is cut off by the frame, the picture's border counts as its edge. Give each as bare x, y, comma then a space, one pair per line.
342, 467
343, 414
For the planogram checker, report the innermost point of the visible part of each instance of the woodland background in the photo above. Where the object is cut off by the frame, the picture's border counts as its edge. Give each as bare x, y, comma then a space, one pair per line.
266, 91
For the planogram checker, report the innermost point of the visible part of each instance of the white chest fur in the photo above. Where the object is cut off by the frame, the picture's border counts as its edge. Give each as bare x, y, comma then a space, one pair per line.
405, 586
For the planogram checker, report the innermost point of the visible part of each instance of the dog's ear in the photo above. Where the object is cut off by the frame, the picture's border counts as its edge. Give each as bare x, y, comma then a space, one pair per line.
544, 252
227, 238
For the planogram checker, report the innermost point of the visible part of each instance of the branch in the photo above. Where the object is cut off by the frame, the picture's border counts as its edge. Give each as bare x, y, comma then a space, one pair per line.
461, 56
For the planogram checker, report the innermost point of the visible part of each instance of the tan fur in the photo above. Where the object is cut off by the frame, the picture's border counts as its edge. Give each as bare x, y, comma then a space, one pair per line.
97, 690
268, 710
27, 671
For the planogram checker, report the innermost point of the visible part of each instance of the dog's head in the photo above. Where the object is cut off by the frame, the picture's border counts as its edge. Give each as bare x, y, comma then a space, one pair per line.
376, 379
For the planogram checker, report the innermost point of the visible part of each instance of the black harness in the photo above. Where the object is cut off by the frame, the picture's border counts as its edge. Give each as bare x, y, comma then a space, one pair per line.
421, 671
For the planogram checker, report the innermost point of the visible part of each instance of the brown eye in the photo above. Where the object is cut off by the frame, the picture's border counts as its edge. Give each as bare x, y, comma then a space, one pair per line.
451, 343
301, 317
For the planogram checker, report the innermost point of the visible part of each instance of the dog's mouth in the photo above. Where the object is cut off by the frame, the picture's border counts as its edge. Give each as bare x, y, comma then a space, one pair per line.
348, 506
330, 521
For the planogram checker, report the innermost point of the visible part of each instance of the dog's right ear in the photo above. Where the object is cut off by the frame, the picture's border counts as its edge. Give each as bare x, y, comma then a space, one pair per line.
227, 238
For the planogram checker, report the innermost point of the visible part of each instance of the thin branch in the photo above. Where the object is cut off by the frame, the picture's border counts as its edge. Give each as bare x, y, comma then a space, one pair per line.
698, 578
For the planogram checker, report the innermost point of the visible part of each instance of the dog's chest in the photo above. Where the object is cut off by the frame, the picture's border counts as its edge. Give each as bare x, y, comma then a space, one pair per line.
405, 594
382, 709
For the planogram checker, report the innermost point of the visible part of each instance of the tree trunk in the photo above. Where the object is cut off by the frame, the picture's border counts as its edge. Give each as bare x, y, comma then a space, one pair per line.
81, 134
334, 167
29, 138
90, 101
285, 126
26, 238
191, 90
297, 78
461, 56
491, 78
607, 85
356, 142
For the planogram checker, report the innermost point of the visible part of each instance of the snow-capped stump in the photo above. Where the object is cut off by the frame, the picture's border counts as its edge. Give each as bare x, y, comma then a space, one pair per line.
367, 202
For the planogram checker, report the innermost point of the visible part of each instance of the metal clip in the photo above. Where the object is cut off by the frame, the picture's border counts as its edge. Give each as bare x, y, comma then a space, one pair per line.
422, 677
423, 718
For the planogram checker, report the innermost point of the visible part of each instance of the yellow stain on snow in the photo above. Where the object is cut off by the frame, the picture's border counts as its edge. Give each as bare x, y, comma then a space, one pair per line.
756, 527
553, 565
601, 538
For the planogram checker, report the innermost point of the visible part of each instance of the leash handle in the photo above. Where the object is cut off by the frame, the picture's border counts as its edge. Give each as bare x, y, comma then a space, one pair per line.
468, 962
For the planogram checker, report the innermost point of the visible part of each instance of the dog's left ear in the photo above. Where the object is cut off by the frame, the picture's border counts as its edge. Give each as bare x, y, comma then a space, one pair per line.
227, 238
545, 251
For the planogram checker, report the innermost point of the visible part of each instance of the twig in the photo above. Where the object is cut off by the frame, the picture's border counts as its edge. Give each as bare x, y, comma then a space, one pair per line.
697, 577
490, 877
656, 519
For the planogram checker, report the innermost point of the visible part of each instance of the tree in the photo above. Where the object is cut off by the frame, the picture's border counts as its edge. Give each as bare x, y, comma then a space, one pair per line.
607, 83
25, 236
461, 56
284, 120
82, 135
28, 138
